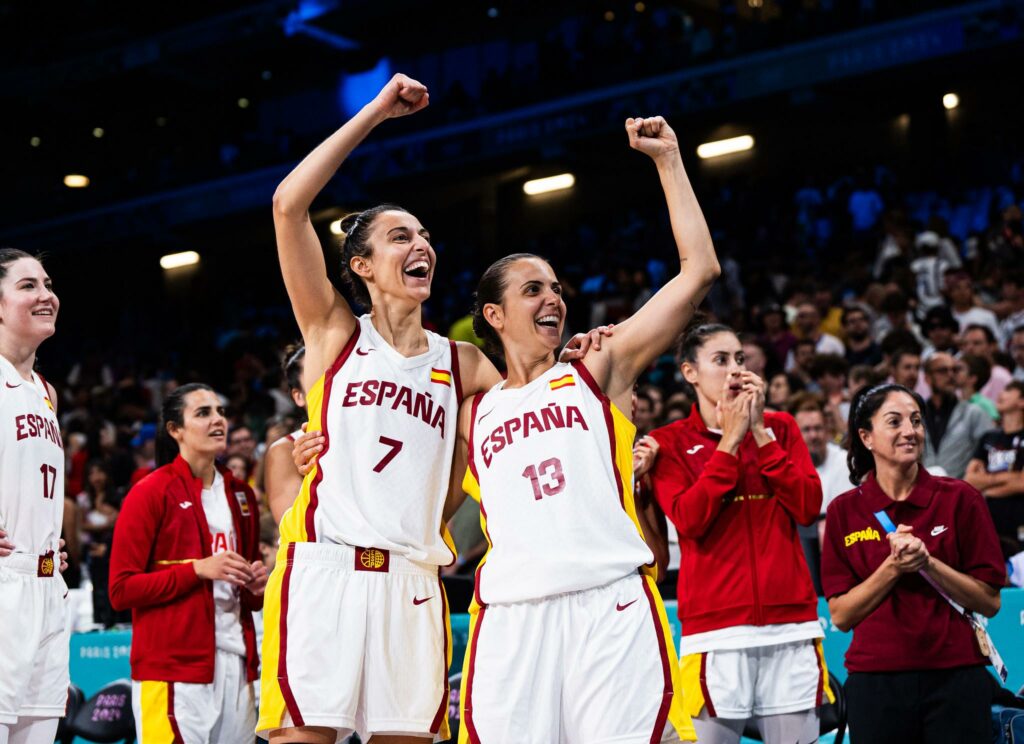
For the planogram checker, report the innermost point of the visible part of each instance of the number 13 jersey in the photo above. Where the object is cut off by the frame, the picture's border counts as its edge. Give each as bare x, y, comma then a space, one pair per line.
389, 426
551, 464
31, 463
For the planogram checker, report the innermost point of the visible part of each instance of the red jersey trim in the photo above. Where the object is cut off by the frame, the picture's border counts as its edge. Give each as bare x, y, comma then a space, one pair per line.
171, 718
282, 655
435, 725
666, 665
476, 475
314, 498
609, 421
704, 684
456, 376
467, 705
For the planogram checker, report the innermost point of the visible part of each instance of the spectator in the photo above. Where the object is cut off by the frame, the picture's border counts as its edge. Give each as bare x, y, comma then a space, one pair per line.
829, 463
238, 465
915, 671
781, 387
997, 468
954, 426
862, 376
99, 505
860, 345
808, 326
754, 356
1017, 352
929, 271
1011, 308
906, 367
829, 374
965, 306
242, 441
776, 336
972, 373
643, 413
980, 341
940, 330
895, 317
802, 357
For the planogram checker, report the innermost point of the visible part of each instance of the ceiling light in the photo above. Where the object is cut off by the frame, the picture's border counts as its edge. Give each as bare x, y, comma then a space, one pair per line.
725, 147
76, 181
551, 183
950, 101
177, 260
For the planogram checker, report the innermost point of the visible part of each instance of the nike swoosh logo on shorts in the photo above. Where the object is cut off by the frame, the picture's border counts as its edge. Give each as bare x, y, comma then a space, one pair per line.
621, 607
363, 352
418, 601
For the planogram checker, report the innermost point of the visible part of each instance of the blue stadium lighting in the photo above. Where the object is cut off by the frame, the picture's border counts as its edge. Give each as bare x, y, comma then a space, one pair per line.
355, 89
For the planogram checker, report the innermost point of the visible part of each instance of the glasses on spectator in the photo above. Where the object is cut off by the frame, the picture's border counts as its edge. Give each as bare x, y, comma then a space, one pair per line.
942, 370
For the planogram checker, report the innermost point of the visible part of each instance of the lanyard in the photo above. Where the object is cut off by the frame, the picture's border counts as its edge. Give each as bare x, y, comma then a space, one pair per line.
988, 648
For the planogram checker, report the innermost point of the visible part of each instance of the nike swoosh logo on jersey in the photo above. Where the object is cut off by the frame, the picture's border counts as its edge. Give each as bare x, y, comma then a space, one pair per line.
695, 449
185, 504
621, 607
12, 386
418, 601
363, 352
939, 530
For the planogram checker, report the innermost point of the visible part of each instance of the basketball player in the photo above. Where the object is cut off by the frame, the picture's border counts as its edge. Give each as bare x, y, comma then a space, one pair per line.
281, 478
33, 636
569, 641
186, 561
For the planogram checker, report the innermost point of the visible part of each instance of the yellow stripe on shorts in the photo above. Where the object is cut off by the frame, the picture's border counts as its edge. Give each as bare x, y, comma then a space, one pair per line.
156, 723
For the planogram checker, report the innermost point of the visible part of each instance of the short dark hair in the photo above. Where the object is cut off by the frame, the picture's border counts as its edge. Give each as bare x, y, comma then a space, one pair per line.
989, 335
852, 310
899, 339
805, 401
828, 364
900, 353
979, 367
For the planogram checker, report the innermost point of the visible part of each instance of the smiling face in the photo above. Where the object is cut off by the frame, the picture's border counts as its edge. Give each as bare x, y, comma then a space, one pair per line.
531, 315
896, 436
721, 358
204, 428
28, 306
401, 262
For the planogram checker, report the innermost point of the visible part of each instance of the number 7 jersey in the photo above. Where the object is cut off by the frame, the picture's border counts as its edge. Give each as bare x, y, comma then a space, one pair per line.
389, 425
551, 464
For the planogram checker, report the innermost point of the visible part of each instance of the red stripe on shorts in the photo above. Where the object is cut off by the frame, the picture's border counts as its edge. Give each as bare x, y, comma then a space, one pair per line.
178, 738
467, 703
435, 726
704, 684
666, 665
818, 698
282, 657
314, 496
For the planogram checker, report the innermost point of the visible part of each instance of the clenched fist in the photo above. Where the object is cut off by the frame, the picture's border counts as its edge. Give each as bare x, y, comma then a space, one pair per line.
400, 97
653, 137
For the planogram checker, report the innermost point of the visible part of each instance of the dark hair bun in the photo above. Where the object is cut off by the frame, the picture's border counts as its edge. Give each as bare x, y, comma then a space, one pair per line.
349, 221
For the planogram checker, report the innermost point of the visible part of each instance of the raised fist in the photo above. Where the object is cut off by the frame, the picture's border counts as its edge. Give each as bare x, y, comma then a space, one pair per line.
401, 96
653, 137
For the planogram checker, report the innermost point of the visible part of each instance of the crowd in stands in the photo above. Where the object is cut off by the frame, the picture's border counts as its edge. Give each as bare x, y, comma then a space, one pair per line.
929, 293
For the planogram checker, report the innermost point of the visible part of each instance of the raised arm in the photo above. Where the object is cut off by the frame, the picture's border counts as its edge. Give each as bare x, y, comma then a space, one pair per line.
640, 339
317, 305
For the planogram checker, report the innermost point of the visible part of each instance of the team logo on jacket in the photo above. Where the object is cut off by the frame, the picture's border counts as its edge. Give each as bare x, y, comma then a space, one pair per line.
863, 535
243, 502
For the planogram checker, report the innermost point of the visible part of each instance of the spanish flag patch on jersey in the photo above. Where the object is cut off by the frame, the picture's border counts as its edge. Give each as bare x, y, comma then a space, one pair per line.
441, 376
563, 381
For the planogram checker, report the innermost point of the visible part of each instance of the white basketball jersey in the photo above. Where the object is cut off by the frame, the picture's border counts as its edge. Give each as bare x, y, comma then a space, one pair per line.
551, 464
389, 423
31, 464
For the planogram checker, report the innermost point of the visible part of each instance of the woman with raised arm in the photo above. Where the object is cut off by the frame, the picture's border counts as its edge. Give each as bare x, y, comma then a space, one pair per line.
356, 581
33, 633
908, 560
568, 581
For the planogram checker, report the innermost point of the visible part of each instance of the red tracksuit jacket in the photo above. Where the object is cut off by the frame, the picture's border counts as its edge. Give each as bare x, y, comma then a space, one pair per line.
156, 540
742, 563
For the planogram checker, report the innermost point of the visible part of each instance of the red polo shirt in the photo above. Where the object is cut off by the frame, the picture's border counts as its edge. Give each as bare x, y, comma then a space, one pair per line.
914, 627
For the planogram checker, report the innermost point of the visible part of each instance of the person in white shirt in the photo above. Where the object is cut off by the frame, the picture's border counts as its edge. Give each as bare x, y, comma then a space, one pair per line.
829, 462
808, 326
960, 290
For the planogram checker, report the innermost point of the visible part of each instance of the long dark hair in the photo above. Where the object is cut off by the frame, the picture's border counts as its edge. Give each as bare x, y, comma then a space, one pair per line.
173, 411
356, 228
490, 290
863, 407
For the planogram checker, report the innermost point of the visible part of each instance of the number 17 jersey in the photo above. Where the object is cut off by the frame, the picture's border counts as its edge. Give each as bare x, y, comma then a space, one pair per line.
552, 466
